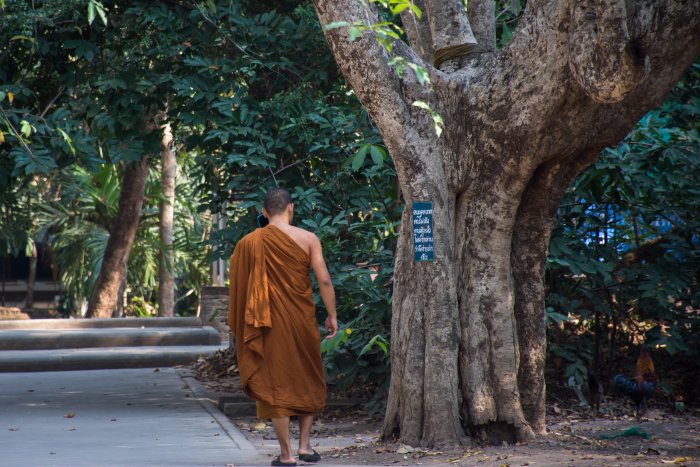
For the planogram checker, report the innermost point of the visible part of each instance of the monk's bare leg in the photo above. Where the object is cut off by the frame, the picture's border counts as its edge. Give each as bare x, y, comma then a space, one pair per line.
281, 426
305, 424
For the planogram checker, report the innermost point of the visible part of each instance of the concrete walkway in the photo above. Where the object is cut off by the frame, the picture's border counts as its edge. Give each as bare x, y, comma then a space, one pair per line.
132, 417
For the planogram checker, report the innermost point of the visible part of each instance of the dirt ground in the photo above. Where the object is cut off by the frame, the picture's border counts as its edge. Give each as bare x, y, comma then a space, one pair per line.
351, 436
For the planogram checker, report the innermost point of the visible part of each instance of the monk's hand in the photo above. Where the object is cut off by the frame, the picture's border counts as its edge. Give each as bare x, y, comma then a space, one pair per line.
331, 327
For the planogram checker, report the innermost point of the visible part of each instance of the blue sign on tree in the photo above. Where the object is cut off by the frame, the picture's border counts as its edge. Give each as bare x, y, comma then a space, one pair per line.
422, 216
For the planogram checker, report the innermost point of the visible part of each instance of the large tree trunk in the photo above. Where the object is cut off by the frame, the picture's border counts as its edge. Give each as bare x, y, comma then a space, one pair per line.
468, 329
122, 233
168, 174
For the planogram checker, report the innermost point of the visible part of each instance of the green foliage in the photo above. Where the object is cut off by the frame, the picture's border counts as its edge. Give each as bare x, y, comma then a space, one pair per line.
283, 117
252, 94
75, 219
625, 257
508, 13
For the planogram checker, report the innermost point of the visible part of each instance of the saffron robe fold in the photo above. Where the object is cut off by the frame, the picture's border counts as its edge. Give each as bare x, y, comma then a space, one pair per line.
273, 317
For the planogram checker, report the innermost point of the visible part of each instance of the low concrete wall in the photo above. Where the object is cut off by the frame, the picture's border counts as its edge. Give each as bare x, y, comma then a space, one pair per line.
12, 313
213, 309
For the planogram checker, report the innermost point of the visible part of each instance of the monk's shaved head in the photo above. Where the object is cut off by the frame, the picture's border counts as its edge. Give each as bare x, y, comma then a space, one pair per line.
276, 201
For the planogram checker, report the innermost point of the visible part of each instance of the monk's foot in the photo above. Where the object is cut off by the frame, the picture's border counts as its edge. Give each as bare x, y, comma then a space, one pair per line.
306, 456
279, 460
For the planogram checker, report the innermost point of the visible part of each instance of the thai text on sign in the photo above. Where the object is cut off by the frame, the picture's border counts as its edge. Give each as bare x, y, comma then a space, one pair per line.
422, 218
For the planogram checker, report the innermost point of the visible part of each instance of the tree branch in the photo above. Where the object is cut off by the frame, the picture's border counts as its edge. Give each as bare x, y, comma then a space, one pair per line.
604, 58
450, 28
52, 101
386, 96
482, 19
668, 31
418, 32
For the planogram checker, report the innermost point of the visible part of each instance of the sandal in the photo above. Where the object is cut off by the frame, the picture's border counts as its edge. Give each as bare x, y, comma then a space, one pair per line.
277, 461
315, 457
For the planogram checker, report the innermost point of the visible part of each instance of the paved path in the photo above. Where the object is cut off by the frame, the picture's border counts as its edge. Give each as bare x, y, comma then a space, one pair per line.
132, 417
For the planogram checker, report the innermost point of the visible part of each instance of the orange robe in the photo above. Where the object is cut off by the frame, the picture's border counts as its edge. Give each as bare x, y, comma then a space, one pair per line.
273, 317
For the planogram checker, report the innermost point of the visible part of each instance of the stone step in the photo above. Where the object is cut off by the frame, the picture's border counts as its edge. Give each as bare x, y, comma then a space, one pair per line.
101, 323
102, 358
45, 339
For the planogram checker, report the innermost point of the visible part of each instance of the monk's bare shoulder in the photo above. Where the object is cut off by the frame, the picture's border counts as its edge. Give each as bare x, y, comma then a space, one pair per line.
305, 233
303, 238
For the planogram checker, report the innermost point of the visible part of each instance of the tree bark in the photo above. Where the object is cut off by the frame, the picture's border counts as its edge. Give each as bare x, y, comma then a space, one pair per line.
482, 17
468, 329
104, 297
121, 301
31, 279
168, 174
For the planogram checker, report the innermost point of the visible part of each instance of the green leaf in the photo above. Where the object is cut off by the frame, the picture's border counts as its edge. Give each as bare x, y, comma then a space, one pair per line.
437, 119
359, 159
416, 11
336, 25
26, 128
340, 219
101, 12
82, 48
354, 32
421, 74
377, 154
310, 223
68, 140
95, 6
20, 37
91, 11
377, 340
515, 7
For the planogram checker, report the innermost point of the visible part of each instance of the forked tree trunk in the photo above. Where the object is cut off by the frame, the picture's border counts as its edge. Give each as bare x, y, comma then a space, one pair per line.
105, 295
468, 329
168, 175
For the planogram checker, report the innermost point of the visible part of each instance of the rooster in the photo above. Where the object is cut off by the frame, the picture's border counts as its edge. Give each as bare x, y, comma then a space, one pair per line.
641, 387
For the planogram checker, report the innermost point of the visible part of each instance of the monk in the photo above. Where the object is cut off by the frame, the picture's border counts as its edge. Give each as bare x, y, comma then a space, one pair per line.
273, 318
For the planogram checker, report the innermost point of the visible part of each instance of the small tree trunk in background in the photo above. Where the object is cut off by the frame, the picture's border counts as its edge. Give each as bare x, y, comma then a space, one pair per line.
4, 267
104, 297
31, 279
121, 301
168, 174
